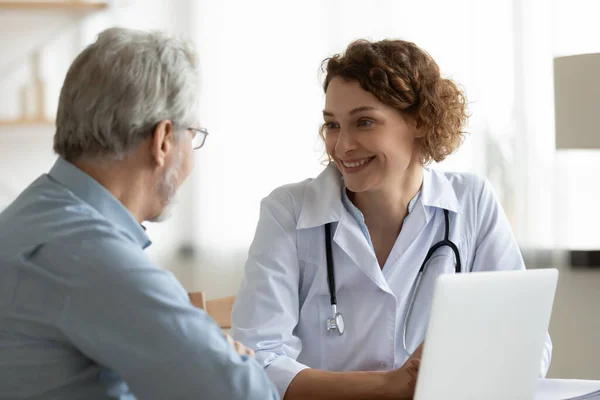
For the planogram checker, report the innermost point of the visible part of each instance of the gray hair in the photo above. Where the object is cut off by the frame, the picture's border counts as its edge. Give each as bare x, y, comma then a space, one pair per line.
119, 88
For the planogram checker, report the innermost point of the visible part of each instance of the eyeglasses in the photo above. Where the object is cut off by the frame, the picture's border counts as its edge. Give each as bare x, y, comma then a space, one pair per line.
199, 137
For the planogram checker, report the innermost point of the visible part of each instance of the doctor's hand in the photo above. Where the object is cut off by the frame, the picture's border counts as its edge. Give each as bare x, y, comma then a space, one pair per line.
239, 347
418, 352
403, 381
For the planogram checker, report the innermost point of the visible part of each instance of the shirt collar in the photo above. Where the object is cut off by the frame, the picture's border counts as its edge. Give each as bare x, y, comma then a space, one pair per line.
323, 197
90, 191
357, 214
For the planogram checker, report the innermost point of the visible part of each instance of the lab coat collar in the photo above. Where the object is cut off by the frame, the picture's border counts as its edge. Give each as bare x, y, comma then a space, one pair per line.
323, 204
437, 192
322, 199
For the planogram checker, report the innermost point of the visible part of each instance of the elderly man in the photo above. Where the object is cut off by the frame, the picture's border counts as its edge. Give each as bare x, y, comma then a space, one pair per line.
84, 314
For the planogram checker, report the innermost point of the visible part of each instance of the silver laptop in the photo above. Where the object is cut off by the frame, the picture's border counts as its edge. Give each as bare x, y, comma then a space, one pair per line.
486, 335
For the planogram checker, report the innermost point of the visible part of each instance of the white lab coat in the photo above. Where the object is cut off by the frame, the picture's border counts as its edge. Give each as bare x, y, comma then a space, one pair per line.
283, 304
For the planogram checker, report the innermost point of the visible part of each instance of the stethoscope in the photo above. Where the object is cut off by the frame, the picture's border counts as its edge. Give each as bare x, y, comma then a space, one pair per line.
336, 322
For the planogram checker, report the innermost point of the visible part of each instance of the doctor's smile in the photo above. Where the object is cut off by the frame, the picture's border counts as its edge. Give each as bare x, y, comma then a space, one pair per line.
353, 166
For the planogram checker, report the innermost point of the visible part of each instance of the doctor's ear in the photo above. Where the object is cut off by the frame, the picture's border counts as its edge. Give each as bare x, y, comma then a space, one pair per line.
419, 129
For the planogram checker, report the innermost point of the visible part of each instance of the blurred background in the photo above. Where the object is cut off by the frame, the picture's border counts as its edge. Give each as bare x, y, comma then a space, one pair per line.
262, 102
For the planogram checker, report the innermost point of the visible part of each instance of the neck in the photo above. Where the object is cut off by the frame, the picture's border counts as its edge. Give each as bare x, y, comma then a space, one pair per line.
386, 208
123, 180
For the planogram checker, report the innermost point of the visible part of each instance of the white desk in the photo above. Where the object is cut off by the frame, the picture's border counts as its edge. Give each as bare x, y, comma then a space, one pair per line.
559, 389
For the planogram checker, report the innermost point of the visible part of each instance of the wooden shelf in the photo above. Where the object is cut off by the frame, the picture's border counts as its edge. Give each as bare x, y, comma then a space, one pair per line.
25, 122
66, 5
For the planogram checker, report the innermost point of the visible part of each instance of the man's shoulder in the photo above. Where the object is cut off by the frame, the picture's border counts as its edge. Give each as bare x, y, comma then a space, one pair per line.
48, 214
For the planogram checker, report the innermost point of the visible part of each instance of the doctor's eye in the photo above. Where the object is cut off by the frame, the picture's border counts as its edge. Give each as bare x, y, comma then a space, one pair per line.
330, 126
365, 123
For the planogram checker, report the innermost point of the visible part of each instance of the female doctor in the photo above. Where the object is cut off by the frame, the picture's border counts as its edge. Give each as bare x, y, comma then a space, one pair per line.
339, 279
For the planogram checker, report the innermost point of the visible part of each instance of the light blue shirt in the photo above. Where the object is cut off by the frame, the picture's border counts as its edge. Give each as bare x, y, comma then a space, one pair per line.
84, 314
360, 218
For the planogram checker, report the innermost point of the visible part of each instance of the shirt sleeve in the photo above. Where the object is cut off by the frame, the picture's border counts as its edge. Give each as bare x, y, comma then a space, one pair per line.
495, 241
126, 314
266, 309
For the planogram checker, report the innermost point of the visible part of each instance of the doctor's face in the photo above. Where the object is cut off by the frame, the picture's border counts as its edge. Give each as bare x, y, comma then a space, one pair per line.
370, 142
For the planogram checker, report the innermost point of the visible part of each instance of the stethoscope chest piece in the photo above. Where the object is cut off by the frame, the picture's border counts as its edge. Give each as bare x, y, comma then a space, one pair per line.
336, 323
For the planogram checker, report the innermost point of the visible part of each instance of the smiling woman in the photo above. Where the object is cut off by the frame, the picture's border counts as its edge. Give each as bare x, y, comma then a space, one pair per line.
368, 236
388, 112
405, 78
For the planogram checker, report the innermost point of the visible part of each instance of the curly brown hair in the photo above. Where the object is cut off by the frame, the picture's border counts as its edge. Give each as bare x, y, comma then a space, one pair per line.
403, 76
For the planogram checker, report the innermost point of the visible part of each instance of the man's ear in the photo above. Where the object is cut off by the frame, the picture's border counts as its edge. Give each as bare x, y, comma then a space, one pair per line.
161, 141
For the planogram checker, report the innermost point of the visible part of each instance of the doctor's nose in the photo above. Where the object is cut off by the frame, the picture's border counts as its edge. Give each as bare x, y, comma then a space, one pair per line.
345, 142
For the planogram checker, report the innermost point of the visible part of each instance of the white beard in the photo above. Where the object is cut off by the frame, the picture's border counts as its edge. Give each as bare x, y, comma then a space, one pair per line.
167, 188
166, 213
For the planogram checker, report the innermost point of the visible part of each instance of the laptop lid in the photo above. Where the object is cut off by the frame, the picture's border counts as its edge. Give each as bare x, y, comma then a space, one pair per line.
486, 335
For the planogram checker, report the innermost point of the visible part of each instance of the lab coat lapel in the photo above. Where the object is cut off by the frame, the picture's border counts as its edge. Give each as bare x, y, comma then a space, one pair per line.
436, 192
413, 225
352, 241
322, 204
